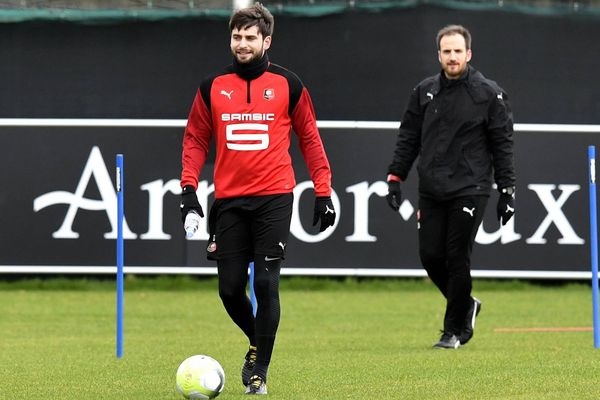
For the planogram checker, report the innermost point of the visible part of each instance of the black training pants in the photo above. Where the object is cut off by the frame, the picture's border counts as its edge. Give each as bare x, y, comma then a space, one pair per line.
253, 229
447, 231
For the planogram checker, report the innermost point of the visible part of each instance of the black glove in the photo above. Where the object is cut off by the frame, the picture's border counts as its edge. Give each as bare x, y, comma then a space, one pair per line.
189, 202
324, 210
505, 208
394, 195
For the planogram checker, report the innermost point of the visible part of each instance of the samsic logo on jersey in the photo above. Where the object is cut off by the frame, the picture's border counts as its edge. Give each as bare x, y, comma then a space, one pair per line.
248, 117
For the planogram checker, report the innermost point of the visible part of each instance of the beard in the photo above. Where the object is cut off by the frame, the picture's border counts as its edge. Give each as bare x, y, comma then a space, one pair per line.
454, 71
247, 58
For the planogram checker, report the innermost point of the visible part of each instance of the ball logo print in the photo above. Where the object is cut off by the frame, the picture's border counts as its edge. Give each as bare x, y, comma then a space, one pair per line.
200, 377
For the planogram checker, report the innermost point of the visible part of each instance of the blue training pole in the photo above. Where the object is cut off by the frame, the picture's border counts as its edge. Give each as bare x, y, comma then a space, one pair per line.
119, 255
594, 241
252, 293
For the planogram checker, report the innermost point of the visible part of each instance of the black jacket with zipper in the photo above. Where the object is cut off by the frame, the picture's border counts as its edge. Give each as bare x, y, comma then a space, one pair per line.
461, 130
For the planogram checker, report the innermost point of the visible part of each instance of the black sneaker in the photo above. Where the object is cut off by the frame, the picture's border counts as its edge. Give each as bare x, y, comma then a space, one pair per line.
467, 333
257, 385
448, 341
248, 366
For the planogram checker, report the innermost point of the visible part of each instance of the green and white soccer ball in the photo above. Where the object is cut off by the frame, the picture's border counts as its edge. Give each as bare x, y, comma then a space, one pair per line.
200, 377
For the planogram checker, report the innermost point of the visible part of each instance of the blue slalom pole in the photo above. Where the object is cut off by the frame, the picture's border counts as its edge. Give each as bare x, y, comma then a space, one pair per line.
252, 293
119, 255
594, 241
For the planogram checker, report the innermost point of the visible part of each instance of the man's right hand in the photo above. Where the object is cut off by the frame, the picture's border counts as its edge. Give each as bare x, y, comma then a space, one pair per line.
394, 195
189, 202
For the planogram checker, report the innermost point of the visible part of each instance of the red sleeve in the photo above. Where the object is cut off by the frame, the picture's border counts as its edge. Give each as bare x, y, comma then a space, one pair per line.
304, 123
196, 140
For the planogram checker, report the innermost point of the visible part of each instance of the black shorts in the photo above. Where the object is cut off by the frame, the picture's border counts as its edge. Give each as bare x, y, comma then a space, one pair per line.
249, 226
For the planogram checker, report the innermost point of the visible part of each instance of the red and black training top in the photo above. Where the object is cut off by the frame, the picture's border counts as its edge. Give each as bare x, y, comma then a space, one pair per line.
250, 111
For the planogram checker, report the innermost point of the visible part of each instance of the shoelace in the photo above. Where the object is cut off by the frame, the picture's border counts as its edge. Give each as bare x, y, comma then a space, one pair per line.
255, 382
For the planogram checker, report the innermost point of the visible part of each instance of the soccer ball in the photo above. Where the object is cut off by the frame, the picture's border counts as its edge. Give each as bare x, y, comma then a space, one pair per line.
200, 377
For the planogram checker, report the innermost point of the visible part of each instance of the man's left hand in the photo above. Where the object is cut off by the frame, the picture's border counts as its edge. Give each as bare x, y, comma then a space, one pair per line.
505, 208
325, 212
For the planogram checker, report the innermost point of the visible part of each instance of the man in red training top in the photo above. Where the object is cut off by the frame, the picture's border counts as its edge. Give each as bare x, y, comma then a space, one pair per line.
249, 109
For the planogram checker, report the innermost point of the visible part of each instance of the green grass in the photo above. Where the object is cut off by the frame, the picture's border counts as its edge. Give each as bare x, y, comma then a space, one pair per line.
337, 339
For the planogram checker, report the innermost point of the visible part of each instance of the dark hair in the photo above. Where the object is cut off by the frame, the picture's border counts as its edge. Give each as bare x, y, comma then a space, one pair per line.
257, 15
453, 30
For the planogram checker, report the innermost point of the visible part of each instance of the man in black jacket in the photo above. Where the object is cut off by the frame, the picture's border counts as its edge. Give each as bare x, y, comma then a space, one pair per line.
460, 125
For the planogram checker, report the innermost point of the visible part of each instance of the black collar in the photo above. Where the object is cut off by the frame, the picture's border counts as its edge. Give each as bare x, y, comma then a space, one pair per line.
451, 82
253, 69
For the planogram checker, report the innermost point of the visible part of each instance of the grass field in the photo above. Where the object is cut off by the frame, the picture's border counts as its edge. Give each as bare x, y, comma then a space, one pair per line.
337, 340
